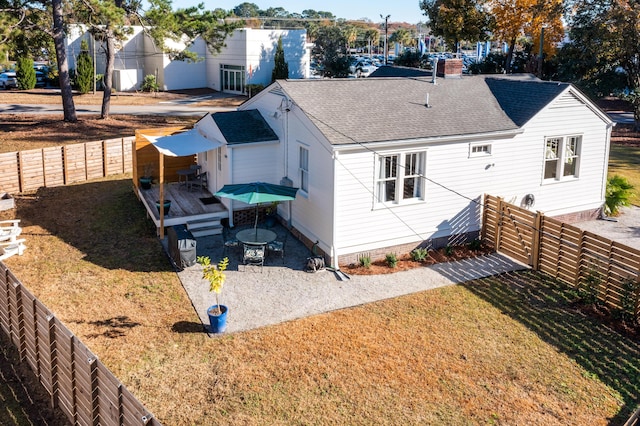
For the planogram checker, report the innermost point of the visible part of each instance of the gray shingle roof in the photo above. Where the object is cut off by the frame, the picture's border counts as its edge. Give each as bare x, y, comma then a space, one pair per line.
385, 109
521, 100
396, 71
244, 126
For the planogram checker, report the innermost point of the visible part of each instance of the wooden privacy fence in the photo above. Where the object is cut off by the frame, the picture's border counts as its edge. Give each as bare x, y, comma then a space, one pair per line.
580, 258
79, 384
62, 165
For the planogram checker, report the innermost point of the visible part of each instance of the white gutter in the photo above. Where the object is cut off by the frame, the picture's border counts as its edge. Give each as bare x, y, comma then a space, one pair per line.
502, 134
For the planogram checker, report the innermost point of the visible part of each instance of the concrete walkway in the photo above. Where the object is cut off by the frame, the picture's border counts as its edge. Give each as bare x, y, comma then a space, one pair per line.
624, 228
283, 291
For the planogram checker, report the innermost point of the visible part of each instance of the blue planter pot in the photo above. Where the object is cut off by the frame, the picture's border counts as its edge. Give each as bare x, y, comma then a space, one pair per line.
145, 182
217, 323
167, 206
270, 221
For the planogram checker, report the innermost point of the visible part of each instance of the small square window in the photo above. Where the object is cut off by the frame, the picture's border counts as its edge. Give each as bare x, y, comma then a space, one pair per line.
479, 150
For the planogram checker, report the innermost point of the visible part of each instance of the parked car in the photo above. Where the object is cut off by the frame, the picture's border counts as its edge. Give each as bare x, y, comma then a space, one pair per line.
8, 79
41, 79
362, 68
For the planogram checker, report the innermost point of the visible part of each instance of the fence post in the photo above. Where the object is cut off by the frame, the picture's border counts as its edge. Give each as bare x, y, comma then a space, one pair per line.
74, 396
95, 406
53, 359
20, 321
36, 338
537, 240
21, 172
65, 165
483, 226
500, 213
105, 168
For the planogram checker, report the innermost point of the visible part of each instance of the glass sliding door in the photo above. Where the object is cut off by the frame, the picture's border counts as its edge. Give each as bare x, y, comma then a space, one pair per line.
232, 78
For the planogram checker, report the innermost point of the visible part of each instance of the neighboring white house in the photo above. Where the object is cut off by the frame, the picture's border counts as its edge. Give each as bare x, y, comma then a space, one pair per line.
247, 58
388, 164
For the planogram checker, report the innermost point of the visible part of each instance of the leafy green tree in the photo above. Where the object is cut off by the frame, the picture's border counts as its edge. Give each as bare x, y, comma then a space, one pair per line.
457, 20
110, 21
246, 10
410, 59
280, 67
35, 28
606, 35
25, 74
330, 48
84, 69
403, 37
516, 20
149, 84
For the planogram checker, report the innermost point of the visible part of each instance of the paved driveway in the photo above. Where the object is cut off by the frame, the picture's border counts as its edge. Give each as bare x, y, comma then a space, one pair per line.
624, 229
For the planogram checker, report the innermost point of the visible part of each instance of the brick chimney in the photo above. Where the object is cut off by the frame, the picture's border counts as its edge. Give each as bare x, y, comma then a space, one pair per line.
449, 68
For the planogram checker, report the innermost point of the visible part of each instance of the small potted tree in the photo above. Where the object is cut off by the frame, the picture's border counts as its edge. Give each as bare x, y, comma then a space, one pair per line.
216, 277
147, 176
270, 214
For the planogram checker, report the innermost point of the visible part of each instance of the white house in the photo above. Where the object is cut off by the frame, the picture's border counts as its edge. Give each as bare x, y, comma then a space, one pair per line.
388, 164
247, 58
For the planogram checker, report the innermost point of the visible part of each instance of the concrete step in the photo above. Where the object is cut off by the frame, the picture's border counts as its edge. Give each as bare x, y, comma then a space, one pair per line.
205, 231
205, 227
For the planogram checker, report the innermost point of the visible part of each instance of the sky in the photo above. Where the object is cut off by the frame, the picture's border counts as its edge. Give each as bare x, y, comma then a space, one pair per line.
403, 11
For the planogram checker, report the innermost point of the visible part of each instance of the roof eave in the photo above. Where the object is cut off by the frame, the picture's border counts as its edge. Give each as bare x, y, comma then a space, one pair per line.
501, 134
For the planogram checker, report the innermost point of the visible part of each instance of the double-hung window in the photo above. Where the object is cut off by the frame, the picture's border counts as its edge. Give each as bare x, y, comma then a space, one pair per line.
561, 157
303, 168
400, 177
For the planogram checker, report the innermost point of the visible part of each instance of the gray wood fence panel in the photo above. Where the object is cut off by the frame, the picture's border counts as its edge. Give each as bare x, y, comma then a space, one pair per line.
62, 165
78, 383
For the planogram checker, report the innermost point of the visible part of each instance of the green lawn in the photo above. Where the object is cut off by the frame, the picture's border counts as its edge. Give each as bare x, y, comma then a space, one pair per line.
624, 160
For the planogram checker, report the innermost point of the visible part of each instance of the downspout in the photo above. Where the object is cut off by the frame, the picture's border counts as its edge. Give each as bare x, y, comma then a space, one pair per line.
229, 180
161, 184
334, 254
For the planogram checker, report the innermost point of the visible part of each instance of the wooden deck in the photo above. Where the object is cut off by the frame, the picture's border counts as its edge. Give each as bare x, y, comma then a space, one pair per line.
186, 208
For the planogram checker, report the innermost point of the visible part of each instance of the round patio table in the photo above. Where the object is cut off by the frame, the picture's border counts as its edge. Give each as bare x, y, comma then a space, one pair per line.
185, 174
256, 236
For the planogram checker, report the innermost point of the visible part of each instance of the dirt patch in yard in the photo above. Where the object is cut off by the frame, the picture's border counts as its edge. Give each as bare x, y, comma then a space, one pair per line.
22, 132
626, 135
52, 97
32, 131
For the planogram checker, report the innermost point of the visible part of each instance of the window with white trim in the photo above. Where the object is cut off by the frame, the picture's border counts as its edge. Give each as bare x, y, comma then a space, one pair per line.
303, 168
479, 150
400, 177
561, 157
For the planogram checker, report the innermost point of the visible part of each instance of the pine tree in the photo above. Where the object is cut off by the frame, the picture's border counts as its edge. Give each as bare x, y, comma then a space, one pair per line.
84, 70
280, 67
25, 73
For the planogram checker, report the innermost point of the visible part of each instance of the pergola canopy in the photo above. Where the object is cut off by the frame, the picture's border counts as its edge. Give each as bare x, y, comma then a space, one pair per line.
190, 142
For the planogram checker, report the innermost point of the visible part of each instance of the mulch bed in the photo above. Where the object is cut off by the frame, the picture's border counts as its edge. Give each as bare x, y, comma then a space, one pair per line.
405, 262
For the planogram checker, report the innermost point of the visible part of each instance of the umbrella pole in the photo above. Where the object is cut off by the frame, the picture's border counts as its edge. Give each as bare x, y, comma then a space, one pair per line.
255, 225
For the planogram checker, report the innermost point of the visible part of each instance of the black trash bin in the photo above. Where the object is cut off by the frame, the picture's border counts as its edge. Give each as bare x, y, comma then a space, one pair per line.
182, 246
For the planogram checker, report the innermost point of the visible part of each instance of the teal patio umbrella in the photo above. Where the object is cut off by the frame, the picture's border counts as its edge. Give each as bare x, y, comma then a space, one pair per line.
257, 193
